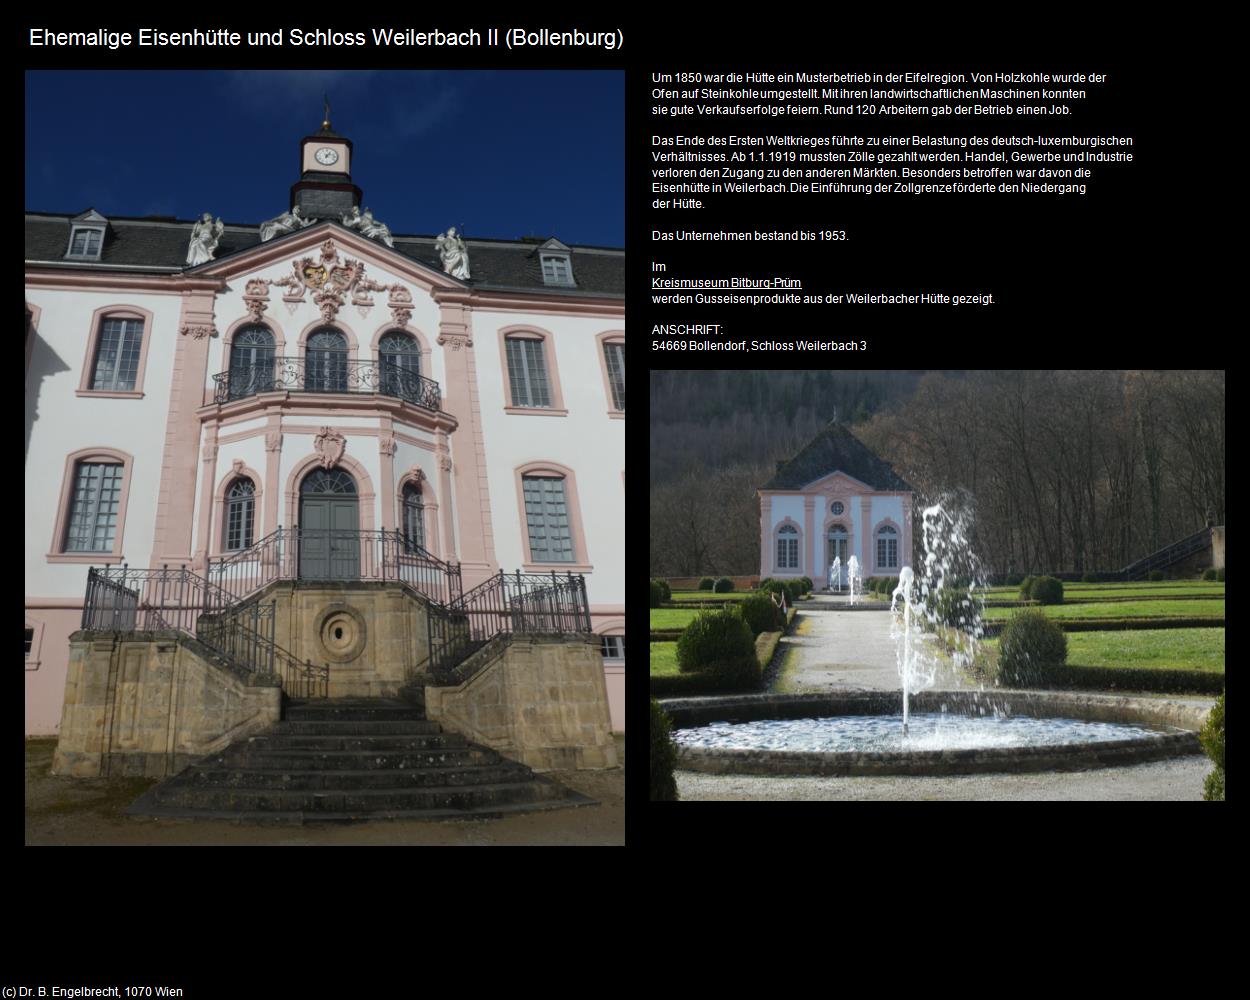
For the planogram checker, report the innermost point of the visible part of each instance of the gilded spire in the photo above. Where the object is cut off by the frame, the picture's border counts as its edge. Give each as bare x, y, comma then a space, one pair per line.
326, 123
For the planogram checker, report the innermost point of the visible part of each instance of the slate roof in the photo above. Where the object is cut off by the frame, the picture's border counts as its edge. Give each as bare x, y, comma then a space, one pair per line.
836, 449
161, 244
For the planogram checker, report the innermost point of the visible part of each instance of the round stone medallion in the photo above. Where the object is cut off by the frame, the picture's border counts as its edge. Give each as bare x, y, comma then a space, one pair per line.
341, 631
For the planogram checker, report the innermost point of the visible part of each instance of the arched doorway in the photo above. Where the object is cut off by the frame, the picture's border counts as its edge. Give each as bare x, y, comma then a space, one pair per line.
838, 549
329, 519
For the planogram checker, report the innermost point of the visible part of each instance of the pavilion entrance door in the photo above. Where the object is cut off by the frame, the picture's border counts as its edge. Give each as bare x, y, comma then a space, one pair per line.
329, 535
838, 541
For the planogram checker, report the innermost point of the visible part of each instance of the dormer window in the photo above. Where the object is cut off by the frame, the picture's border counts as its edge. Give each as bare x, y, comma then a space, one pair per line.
86, 238
557, 264
557, 270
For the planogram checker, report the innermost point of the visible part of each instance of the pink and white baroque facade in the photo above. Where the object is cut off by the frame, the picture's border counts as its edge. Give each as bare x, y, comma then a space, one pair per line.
168, 442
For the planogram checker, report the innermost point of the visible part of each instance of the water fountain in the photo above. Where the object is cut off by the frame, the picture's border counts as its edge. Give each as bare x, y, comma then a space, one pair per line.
918, 731
853, 577
835, 574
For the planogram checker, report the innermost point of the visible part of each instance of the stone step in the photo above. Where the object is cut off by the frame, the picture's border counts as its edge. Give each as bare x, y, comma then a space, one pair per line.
365, 743
350, 728
363, 801
357, 712
344, 781
352, 760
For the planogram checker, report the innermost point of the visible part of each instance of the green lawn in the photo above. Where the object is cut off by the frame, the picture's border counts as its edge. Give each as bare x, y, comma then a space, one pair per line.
1121, 609
1157, 649
672, 617
664, 659
1076, 591
707, 595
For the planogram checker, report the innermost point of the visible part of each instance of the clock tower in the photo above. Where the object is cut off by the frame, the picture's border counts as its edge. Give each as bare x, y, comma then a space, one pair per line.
325, 189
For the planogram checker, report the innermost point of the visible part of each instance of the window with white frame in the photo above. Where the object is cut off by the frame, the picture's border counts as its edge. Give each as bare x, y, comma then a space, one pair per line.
240, 514
414, 519
94, 506
86, 242
117, 355
527, 372
787, 547
557, 270
547, 518
614, 355
887, 547
612, 647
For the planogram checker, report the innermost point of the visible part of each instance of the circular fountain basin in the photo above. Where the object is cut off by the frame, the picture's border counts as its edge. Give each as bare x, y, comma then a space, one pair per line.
950, 732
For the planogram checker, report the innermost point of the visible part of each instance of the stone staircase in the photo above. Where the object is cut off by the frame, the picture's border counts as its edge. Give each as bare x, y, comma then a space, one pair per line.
353, 759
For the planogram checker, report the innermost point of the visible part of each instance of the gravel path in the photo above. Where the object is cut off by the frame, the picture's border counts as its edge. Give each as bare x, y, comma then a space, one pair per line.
1175, 780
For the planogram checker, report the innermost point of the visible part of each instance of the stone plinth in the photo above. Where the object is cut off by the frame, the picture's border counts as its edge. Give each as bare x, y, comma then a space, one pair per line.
150, 703
540, 700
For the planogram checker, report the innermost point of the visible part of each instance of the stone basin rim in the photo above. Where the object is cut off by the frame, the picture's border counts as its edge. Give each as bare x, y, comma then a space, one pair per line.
687, 712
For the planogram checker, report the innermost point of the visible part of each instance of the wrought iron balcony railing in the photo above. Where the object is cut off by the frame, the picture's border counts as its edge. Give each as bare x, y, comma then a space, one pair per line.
326, 373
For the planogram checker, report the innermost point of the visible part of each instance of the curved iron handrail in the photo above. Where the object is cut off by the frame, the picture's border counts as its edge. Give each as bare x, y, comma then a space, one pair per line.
326, 372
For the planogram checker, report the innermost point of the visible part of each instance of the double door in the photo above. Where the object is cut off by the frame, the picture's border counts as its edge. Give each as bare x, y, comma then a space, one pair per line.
329, 538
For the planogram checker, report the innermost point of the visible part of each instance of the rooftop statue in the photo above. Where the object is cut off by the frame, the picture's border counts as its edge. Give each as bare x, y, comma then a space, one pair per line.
454, 254
285, 223
205, 236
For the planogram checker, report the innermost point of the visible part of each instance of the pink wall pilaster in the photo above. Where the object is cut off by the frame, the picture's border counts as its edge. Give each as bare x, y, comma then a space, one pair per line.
208, 457
386, 460
868, 562
443, 457
766, 532
806, 559
273, 460
477, 540
171, 541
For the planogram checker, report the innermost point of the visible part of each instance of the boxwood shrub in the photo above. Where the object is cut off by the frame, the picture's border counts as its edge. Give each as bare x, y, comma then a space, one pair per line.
706, 583
1209, 574
807, 584
1030, 644
1046, 590
1157, 575
1212, 739
663, 756
1026, 586
655, 594
1014, 579
1077, 678
760, 613
666, 593
720, 643
1219, 574
723, 585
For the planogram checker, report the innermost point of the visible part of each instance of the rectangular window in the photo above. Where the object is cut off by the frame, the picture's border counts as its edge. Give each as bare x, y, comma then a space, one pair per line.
612, 647
239, 526
556, 271
547, 515
527, 372
117, 356
30, 639
93, 516
614, 354
86, 243
787, 553
887, 553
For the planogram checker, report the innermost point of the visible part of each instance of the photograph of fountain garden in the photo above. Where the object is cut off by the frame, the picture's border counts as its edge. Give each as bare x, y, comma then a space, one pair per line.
960, 584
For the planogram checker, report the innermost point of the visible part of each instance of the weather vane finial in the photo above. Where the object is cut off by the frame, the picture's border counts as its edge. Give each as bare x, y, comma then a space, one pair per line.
326, 123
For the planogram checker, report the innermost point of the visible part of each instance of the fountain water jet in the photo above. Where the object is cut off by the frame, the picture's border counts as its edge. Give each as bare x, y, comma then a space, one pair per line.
852, 572
835, 574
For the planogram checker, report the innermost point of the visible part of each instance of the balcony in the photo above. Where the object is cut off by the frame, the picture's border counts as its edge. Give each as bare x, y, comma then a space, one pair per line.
328, 375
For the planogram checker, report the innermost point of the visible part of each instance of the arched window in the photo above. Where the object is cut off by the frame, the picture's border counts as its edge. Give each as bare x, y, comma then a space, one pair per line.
326, 362
240, 514
414, 518
787, 547
117, 355
399, 357
887, 547
328, 481
251, 362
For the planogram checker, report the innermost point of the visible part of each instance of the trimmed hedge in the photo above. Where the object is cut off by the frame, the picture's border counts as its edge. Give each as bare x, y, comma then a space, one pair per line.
760, 613
1031, 643
1026, 585
1156, 575
706, 583
956, 607
666, 593
1046, 590
807, 584
723, 585
1219, 574
720, 643
1014, 580
1123, 679
663, 756
1212, 739
655, 594
1209, 574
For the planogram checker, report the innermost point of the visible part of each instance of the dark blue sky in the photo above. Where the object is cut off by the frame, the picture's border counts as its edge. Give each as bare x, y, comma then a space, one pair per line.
505, 154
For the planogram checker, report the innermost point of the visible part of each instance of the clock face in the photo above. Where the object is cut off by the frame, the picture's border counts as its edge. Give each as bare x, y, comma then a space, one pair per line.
327, 156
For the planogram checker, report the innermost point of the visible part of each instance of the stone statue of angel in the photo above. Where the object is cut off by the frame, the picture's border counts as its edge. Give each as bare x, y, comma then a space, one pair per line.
454, 254
368, 225
205, 235
282, 224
